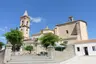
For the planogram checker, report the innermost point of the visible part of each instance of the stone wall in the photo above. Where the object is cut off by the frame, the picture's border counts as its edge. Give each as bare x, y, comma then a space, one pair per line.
2, 56
68, 53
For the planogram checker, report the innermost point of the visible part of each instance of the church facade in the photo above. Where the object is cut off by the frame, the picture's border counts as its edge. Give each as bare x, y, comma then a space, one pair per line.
79, 49
70, 31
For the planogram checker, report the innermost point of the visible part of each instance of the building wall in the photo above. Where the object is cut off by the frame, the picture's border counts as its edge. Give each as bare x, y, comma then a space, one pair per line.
48, 31
83, 30
61, 30
82, 52
24, 26
37, 36
36, 49
41, 34
66, 54
25, 21
25, 34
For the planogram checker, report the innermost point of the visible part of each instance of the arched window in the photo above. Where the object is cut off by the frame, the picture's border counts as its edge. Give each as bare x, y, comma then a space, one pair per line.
27, 23
22, 22
27, 29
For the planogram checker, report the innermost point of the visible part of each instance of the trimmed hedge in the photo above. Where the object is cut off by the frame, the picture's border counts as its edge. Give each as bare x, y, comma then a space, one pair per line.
59, 48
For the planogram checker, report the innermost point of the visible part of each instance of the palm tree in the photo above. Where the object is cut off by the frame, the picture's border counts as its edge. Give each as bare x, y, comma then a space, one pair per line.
49, 39
15, 37
1, 44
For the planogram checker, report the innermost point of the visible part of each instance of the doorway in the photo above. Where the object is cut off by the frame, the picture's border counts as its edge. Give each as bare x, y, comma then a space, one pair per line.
86, 51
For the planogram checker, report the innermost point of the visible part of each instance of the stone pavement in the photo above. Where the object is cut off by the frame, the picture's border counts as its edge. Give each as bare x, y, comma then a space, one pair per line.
81, 60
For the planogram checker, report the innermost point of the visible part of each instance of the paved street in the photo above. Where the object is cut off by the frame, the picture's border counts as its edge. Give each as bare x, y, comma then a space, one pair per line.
82, 60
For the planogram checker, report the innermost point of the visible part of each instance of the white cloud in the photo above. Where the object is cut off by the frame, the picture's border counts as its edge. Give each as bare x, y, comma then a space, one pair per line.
1, 29
4, 29
2, 37
36, 19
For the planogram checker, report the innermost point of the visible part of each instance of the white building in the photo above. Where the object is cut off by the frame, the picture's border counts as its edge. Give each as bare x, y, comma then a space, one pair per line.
85, 47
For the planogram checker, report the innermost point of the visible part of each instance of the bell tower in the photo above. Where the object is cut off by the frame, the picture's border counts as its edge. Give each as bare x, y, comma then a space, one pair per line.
25, 25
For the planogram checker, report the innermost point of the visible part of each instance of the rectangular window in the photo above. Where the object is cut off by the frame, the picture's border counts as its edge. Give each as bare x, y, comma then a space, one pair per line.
78, 49
67, 31
94, 48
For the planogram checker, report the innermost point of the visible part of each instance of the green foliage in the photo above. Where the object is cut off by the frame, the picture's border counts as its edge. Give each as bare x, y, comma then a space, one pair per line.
1, 44
29, 48
15, 37
49, 39
59, 48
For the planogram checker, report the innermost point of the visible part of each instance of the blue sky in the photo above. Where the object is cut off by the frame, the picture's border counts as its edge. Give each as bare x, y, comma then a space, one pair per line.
47, 12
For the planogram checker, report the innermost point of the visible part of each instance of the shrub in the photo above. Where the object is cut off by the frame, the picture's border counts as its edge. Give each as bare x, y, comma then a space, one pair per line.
29, 48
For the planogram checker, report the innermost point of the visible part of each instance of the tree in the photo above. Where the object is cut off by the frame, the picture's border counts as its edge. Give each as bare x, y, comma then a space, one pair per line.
29, 48
1, 44
15, 37
49, 39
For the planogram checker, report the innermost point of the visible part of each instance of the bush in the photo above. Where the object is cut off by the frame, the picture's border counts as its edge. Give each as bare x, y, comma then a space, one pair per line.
29, 48
59, 48
1, 44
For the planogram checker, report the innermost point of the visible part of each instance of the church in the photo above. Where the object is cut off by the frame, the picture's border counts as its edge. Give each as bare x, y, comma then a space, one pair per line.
70, 31
74, 32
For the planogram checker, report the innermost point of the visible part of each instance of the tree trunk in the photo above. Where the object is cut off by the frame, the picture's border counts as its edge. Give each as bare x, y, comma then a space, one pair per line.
30, 52
0, 47
13, 48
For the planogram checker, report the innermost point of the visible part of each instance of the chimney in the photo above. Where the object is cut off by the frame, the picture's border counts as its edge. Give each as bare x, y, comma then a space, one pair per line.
71, 18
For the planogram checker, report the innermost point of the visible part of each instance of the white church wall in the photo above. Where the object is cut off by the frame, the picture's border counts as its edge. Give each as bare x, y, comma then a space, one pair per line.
79, 53
82, 52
